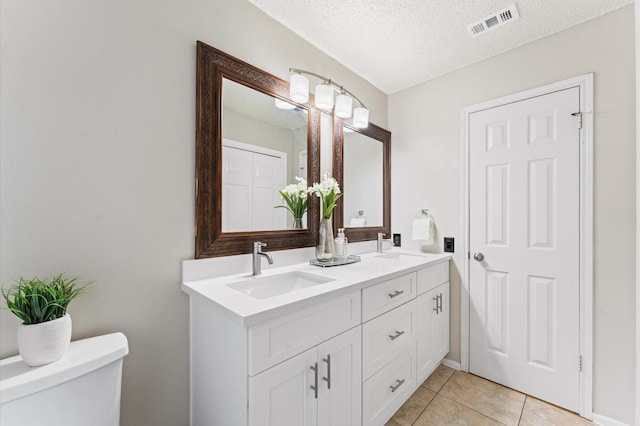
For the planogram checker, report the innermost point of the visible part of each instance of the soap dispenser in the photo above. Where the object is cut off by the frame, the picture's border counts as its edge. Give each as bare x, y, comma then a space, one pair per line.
340, 245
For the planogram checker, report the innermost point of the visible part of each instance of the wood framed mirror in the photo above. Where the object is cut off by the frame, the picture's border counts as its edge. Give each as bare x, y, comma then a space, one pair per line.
231, 216
362, 167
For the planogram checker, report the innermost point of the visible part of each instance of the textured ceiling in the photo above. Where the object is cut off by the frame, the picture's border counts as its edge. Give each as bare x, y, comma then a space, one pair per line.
396, 44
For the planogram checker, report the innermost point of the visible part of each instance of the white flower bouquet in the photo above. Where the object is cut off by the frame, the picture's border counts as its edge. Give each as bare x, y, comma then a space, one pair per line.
296, 196
329, 192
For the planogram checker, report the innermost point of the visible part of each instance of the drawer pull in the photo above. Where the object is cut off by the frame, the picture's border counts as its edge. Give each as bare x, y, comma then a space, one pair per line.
328, 378
399, 383
395, 293
398, 334
315, 374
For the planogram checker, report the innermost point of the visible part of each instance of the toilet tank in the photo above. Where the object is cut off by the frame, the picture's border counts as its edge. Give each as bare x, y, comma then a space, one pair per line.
81, 389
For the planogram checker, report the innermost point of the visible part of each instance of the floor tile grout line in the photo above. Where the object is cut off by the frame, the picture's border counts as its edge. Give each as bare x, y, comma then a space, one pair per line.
452, 398
523, 405
473, 409
434, 397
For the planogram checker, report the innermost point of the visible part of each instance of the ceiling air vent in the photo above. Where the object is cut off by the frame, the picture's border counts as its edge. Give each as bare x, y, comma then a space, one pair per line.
493, 21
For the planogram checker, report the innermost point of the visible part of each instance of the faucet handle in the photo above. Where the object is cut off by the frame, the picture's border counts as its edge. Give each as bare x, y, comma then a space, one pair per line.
381, 235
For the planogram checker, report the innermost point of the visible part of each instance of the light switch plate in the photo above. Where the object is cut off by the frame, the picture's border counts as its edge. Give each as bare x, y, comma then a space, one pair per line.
448, 244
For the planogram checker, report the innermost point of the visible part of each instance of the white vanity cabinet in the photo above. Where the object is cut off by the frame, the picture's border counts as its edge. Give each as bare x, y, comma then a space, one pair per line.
348, 357
432, 318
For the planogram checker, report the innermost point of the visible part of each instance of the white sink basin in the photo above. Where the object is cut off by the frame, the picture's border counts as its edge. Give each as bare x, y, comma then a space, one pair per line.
398, 256
277, 285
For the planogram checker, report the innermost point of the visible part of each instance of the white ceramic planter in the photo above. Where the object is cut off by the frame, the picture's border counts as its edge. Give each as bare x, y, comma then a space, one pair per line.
46, 342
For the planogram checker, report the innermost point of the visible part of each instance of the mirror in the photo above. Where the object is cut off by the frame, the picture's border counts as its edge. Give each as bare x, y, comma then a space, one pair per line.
362, 166
264, 149
228, 93
362, 176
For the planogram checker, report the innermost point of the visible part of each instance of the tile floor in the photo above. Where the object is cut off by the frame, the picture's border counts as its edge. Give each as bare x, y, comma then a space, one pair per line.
450, 397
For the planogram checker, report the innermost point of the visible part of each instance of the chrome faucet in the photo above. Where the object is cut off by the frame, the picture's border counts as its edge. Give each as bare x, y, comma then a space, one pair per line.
381, 240
257, 261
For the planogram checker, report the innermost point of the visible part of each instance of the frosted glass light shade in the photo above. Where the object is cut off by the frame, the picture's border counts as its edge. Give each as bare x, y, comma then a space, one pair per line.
299, 88
343, 106
324, 96
360, 117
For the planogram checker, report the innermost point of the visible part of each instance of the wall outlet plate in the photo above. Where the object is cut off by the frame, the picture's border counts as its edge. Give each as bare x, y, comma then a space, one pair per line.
448, 244
397, 240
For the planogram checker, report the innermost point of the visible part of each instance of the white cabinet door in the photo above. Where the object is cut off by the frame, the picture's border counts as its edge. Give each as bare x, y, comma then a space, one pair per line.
440, 323
432, 329
282, 395
426, 362
340, 382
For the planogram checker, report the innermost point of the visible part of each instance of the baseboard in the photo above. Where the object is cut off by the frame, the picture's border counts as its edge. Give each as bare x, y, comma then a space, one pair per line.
452, 364
606, 421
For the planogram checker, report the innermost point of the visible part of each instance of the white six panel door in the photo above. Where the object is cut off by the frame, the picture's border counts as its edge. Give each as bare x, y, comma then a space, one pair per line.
524, 227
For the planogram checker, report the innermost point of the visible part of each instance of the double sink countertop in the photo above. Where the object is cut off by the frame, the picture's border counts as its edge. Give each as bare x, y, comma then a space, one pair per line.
250, 300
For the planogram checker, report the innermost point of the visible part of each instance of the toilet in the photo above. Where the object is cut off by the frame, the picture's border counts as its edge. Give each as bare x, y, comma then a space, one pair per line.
83, 388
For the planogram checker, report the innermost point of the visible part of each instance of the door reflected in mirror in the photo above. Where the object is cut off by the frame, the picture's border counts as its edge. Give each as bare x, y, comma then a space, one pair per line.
362, 180
264, 149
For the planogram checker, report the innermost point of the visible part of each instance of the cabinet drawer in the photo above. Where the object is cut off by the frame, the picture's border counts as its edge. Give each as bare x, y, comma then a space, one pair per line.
388, 389
380, 298
278, 339
386, 336
432, 277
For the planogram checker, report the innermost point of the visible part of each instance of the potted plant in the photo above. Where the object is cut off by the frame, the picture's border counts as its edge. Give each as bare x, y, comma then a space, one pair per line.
45, 332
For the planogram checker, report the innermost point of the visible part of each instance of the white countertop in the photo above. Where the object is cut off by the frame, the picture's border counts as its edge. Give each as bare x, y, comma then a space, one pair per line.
248, 310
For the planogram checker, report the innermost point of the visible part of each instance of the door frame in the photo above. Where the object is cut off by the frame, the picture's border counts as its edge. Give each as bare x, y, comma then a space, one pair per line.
585, 83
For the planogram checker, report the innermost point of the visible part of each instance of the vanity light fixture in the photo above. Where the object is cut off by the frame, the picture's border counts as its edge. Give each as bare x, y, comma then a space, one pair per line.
324, 97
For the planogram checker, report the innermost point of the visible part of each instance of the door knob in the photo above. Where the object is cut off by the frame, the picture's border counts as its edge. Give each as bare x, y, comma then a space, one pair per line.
478, 256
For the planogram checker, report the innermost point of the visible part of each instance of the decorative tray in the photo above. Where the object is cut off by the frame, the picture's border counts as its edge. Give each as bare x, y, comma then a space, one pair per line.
335, 262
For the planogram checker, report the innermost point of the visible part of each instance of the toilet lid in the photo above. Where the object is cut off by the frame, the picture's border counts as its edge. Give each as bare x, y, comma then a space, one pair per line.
18, 380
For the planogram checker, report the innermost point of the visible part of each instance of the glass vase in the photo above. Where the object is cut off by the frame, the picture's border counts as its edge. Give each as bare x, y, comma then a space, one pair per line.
297, 223
324, 247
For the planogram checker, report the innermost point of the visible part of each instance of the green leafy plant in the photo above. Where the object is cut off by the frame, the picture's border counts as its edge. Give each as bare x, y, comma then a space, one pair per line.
35, 301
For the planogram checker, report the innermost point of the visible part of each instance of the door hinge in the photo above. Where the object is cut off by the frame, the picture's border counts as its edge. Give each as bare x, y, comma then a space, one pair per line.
579, 363
468, 255
579, 115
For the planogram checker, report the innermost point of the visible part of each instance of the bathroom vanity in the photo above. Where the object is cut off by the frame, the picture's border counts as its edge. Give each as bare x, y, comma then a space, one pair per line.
303, 345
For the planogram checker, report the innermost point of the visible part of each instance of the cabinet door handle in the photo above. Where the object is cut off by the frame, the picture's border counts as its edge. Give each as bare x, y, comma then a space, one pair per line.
398, 334
395, 388
440, 302
314, 367
395, 293
435, 299
328, 378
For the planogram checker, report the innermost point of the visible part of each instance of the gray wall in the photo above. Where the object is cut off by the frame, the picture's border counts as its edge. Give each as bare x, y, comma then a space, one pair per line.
426, 125
97, 164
